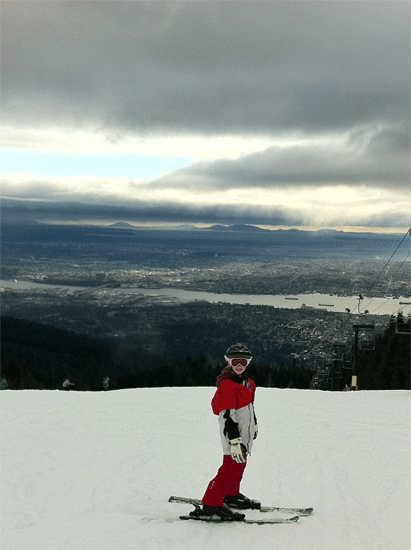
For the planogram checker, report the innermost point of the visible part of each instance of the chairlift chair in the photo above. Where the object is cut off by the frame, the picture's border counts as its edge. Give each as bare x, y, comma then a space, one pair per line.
328, 364
347, 364
403, 326
366, 340
339, 351
339, 348
366, 344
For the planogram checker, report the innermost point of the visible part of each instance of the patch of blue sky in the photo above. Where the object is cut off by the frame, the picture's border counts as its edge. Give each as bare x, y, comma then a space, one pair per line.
56, 164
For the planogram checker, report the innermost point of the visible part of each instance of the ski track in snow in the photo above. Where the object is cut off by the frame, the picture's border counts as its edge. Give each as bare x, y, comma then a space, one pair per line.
94, 470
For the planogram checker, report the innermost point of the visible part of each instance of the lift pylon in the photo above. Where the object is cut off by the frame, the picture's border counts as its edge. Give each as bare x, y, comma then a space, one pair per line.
357, 329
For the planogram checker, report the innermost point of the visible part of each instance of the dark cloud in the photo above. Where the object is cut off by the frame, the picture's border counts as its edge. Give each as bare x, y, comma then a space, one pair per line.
365, 158
23, 211
209, 66
333, 75
18, 211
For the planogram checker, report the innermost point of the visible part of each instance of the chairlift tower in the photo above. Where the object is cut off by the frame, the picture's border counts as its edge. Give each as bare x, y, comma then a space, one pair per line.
338, 357
357, 329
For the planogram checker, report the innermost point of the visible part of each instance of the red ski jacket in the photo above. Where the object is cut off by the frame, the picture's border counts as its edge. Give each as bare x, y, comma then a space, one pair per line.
231, 395
233, 402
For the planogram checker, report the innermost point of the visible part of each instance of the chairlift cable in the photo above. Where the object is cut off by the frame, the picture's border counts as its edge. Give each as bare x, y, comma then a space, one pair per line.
385, 267
384, 293
399, 310
324, 339
405, 259
378, 307
391, 257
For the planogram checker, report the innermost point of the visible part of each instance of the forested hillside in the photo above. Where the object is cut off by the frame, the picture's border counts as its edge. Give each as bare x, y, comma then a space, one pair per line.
387, 367
35, 356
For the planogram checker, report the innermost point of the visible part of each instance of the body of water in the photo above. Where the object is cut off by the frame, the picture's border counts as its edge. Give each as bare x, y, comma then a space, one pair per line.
377, 306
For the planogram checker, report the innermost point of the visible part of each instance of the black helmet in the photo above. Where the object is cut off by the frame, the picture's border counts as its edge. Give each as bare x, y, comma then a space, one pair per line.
238, 350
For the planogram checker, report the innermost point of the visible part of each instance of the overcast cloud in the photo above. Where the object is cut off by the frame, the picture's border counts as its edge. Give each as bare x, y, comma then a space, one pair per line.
321, 89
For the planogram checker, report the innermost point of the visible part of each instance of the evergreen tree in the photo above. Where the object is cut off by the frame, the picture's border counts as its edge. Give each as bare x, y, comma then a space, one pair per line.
387, 367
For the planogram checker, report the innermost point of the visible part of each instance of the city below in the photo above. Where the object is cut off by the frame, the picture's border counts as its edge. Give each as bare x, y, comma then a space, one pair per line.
289, 297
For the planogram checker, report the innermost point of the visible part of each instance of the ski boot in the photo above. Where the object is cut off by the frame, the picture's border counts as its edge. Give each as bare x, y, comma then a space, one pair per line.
222, 513
242, 502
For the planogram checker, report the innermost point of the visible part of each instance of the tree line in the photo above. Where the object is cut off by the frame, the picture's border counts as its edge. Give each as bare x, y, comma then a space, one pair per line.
35, 356
387, 366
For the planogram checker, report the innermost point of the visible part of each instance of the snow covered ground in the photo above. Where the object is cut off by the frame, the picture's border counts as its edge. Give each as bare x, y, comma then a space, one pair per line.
95, 470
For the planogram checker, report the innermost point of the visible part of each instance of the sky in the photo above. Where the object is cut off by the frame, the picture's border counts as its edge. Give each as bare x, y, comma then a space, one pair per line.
279, 113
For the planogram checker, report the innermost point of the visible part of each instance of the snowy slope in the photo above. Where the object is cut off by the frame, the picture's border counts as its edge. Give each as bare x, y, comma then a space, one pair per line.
95, 470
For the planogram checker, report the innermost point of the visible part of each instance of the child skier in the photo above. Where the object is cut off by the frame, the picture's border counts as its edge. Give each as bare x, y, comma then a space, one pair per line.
233, 402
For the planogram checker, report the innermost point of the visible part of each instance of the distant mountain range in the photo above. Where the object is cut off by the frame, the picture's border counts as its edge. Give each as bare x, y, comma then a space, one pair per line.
255, 229
122, 225
238, 228
189, 227
126, 225
42, 213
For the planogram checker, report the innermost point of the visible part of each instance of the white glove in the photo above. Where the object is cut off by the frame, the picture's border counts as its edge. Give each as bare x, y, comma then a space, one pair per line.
236, 451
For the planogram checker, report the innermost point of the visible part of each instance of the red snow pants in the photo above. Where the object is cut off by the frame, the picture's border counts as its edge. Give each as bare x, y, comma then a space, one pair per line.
226, 482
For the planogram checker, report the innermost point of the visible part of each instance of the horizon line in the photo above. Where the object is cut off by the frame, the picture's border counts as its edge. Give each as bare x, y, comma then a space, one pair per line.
165, 225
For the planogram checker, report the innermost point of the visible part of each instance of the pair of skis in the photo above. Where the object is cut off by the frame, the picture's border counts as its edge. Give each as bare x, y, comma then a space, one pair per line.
296, 513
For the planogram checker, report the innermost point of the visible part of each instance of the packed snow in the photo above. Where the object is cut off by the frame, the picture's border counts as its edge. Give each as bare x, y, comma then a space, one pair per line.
95, 470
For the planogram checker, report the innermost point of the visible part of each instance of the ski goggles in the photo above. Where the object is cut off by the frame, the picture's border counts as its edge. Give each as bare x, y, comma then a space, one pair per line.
238, 361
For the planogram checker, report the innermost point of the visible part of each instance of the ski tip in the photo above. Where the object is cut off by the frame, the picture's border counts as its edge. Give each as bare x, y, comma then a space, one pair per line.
305, 512
293, 519
271, 521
